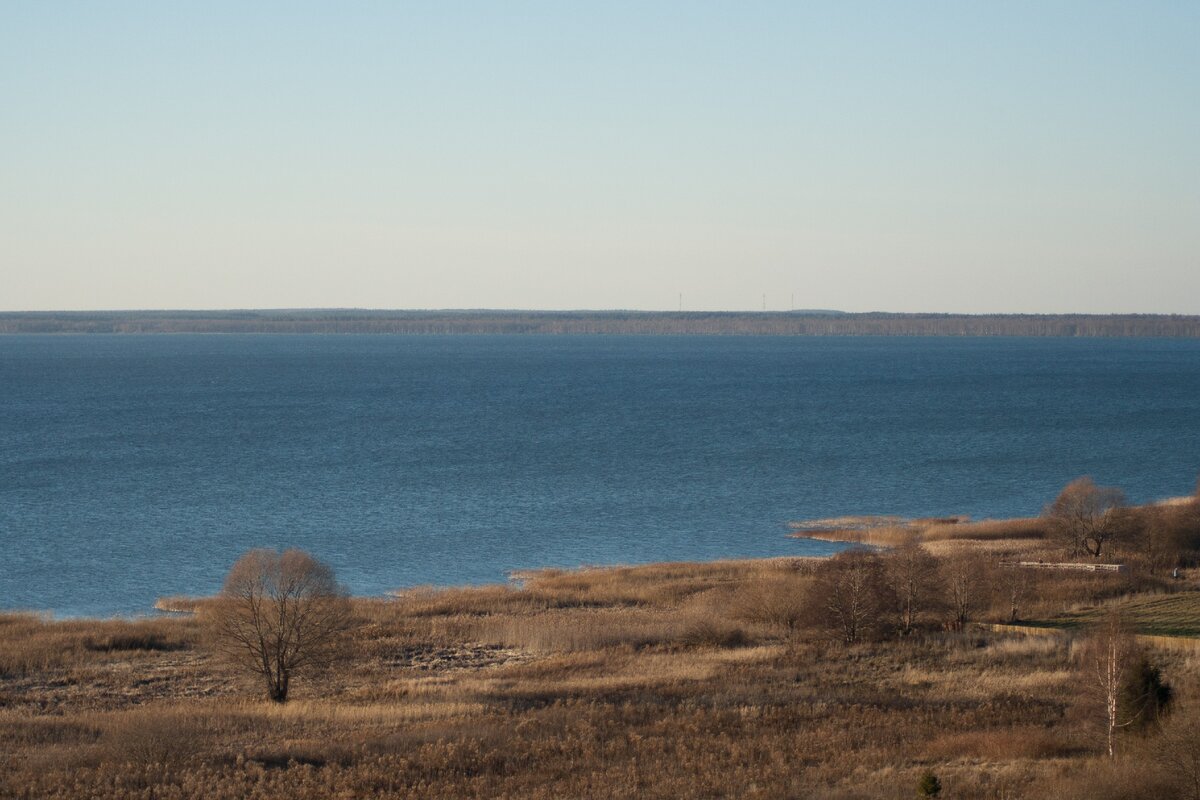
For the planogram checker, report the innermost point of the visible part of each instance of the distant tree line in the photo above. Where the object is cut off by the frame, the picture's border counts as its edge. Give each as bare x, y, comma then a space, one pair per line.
795, 323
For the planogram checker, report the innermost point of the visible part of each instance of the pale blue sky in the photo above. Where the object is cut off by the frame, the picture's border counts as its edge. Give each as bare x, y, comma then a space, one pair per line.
952, 156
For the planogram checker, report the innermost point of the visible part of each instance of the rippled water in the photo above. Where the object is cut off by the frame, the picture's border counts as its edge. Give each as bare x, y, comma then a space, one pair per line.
138, 466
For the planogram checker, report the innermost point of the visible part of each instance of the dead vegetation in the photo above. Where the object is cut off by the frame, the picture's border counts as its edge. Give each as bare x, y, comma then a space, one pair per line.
1028, 533
665, 681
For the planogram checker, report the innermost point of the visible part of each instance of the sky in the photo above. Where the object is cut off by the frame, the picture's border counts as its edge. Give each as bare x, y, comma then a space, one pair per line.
917, 156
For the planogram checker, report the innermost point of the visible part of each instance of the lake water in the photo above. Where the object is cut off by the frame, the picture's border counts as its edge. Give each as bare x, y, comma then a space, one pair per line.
138, 466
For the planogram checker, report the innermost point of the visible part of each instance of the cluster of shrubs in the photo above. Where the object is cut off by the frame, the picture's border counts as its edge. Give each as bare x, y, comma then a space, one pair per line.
1094, 521
869, 595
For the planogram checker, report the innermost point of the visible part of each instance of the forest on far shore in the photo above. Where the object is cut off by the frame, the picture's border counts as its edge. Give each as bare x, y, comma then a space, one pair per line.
785, 323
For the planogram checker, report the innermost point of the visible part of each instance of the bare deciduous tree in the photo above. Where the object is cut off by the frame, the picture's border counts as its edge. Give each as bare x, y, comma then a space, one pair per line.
851, 598
280, 614
1013, 585
1108, 660
965, 575
913, 574
1153, 541
1084, 516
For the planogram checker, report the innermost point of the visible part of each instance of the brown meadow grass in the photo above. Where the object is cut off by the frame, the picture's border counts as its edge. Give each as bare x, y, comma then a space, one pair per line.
662, 681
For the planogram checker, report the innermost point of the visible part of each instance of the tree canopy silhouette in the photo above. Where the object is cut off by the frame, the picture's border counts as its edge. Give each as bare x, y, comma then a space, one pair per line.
1085, 516
280, 614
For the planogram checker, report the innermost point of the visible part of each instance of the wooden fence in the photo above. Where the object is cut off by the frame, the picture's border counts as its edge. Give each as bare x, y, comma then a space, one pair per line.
1067, 565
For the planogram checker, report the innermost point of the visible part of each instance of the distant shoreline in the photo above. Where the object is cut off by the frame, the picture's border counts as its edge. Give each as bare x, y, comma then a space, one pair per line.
671, 323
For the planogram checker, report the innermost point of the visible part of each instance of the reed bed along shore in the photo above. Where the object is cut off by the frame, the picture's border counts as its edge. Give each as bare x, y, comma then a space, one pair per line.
889, 531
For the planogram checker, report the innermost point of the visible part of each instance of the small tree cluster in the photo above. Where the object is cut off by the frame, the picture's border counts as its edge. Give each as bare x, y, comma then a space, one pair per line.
860, 594
916, 581
1091, 520
851, 597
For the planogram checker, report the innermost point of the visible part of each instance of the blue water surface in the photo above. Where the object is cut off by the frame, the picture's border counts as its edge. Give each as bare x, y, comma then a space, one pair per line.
138, 466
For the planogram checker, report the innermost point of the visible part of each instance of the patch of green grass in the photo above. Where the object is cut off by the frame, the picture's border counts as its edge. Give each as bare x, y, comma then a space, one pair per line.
1161, 615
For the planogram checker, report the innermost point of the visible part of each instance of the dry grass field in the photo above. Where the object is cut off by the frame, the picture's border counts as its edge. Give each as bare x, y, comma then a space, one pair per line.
664, 681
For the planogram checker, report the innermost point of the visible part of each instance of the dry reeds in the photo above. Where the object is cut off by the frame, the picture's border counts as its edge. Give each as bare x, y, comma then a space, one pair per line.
663, 681
895, 531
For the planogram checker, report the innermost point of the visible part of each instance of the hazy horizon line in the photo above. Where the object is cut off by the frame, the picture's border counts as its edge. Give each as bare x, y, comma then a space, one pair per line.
497, 310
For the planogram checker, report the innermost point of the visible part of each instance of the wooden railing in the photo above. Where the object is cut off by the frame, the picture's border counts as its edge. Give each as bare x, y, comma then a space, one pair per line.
1067, 565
